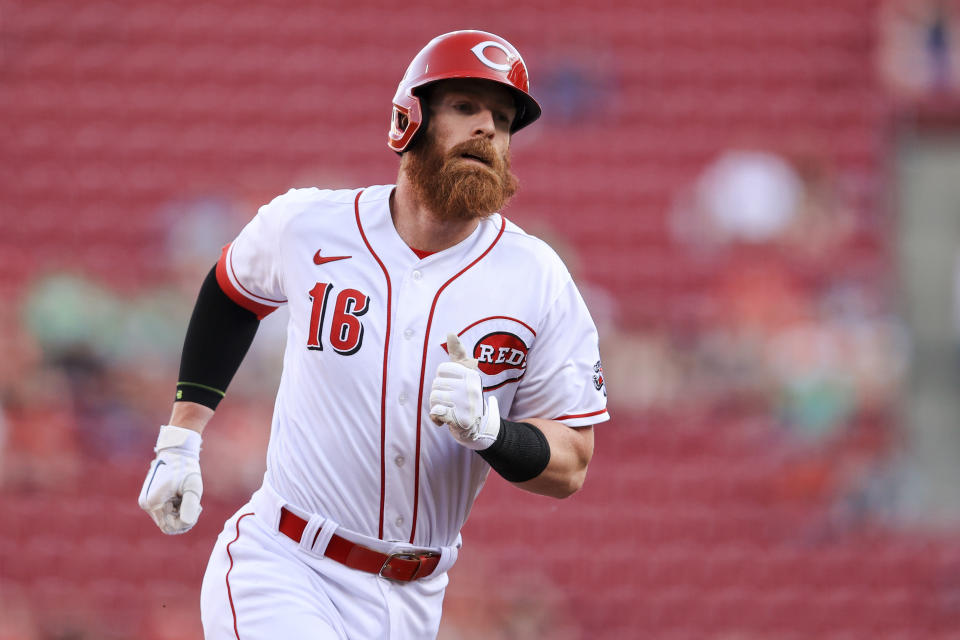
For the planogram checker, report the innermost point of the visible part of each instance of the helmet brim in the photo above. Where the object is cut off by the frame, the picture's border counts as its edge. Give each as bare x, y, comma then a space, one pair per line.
528, 109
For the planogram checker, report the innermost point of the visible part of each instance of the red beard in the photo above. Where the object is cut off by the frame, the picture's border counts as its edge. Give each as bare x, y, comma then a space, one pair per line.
455, 188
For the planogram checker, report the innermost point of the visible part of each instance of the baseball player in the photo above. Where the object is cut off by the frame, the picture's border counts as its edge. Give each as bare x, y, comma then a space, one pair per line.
429, 340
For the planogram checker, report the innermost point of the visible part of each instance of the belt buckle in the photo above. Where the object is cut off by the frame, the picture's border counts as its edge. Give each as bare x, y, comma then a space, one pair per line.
404, 555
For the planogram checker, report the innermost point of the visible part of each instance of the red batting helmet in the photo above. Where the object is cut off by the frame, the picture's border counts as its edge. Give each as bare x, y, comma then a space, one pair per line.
460, 54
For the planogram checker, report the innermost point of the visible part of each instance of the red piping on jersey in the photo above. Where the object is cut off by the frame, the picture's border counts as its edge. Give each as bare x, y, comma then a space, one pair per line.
581, 415
383, 387
223, 279
529, 328
423, 366
233, 609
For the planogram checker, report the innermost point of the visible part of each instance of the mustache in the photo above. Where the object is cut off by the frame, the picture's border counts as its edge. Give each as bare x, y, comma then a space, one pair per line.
479, 148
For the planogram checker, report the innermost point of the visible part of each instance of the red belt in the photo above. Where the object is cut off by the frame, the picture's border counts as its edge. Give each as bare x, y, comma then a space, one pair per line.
402, 567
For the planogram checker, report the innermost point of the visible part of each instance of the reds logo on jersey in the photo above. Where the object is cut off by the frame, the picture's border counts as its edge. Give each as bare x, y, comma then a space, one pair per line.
500, 345
499, 352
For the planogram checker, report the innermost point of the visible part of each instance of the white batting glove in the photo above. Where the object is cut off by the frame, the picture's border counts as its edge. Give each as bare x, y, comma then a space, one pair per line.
173, 486
456, 400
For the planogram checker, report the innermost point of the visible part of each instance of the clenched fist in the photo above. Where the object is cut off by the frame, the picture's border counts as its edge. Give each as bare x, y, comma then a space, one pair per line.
173, 486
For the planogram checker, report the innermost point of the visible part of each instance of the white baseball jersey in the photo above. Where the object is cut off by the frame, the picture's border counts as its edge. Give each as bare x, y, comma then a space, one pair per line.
351, 437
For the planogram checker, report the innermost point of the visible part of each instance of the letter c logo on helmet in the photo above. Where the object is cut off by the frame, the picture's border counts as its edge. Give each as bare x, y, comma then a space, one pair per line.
460, 54
479, 52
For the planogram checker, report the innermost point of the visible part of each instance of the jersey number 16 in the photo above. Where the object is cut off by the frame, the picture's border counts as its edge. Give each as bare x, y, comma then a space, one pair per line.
346, 330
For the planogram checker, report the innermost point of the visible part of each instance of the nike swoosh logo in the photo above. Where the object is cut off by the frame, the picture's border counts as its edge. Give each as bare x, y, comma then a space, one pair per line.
159, 462
318, 259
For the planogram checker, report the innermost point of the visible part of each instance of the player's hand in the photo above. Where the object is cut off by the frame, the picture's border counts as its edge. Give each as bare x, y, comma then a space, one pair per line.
456, 400
173, 486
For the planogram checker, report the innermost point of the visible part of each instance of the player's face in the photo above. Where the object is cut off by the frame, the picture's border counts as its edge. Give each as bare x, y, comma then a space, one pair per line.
464, 110
461, 167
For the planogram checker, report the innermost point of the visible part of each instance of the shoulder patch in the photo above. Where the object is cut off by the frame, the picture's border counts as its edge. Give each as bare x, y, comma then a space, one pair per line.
598, 381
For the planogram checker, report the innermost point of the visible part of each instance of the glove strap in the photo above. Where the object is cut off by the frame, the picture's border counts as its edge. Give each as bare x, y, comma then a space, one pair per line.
172, 437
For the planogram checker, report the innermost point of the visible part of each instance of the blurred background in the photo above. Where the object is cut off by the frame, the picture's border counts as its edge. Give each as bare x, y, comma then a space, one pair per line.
760, 200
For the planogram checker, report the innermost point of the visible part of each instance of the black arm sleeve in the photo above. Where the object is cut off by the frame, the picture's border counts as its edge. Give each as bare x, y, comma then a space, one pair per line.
520, 453
218, 337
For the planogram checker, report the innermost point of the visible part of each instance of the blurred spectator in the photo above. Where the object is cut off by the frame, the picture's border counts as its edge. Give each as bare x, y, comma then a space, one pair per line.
823, 221
38, 444
745, 196
918, 53
578, 83
109, 425
78, 325
842, 360
64, 311
755, 200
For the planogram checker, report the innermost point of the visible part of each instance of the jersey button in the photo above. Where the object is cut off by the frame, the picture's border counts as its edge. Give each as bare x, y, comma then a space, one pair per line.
408, 334
399, 521
417, 275
402, 398
399, 460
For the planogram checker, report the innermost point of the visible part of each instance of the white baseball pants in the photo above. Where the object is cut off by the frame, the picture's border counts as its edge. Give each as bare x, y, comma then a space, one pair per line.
261, 585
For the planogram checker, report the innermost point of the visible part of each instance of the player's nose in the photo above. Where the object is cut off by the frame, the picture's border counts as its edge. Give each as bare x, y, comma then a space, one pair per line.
484, 125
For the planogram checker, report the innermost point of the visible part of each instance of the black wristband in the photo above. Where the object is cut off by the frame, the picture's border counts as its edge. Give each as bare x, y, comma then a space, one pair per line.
199, 393
218, 337
520, 453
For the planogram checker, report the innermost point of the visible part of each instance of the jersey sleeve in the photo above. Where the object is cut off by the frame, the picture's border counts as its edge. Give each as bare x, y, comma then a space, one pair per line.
564, 377
250, 268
